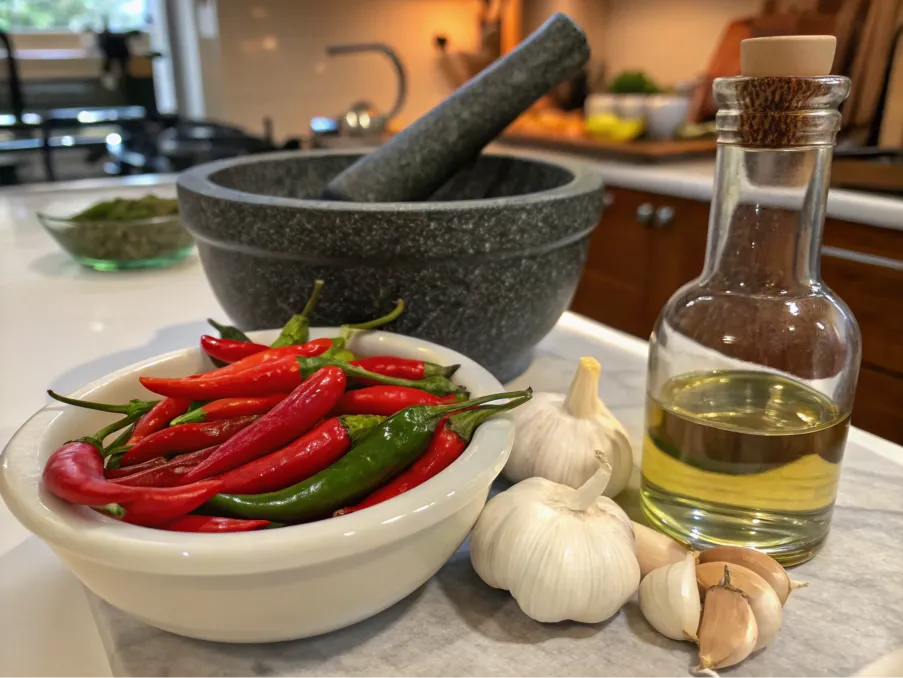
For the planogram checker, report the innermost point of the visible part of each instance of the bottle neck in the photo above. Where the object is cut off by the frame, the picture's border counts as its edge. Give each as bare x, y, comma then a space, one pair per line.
768, 211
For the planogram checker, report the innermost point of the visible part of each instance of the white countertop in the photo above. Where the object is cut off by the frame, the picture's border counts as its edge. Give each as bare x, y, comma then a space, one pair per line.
694, 180
63, 326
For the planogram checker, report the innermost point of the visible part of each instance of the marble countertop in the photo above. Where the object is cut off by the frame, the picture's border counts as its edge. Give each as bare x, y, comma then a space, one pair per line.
65, 325
456, 625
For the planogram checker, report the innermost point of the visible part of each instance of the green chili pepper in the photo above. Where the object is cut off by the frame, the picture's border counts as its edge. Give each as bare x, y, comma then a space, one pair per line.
228, 331
389, 449
297, 329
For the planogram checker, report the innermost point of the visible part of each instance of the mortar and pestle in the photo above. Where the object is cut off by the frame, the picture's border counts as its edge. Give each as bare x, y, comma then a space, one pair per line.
485, 249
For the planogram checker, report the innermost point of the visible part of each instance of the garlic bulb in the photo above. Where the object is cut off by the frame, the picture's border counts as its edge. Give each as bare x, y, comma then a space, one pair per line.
669, 599
562, 553
557, 435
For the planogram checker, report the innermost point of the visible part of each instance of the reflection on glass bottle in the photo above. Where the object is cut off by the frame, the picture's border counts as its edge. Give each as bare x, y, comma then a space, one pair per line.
753, 366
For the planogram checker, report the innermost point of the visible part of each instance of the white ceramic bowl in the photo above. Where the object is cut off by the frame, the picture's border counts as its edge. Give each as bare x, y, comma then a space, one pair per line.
261, 586
665, 113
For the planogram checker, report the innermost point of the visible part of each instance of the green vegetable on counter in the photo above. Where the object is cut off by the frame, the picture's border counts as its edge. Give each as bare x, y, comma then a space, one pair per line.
121, 209
634, 82
123, 232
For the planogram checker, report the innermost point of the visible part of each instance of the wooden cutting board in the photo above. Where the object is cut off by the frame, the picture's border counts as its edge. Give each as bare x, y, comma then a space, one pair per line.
637, 151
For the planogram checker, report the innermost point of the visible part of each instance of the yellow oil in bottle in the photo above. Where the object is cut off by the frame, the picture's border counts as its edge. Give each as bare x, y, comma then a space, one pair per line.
743, 458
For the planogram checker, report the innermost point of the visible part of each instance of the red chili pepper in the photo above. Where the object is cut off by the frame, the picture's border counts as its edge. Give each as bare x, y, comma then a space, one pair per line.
229, 350
186, 438
311, 349
388, 400
275, 376
229, 408
449, 441
159, 417
301, 459
75, 473
160, 505
168, 474
403, 368
113, 473
195, 523
293, 417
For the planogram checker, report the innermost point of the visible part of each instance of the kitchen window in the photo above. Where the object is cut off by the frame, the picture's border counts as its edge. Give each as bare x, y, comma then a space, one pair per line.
72, 15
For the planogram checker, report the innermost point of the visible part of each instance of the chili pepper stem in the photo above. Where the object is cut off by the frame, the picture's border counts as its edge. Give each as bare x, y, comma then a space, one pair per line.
130, 407
313, 299
115, 510
296, 330
465, 423
190, 417
432, 370
122, 438
114, 454
349, 329
310, 365
520, 396
98, 438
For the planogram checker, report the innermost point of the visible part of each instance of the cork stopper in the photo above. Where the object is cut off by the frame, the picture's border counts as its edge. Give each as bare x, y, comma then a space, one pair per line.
788, 56
784, 96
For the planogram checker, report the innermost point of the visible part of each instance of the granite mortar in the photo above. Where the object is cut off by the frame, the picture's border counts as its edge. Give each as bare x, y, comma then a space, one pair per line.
486, 266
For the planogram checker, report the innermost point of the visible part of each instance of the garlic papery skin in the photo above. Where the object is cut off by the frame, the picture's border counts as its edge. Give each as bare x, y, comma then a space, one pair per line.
669, 599
761, 563
557, 435
763, 600
562, 553
655, 550
728, 631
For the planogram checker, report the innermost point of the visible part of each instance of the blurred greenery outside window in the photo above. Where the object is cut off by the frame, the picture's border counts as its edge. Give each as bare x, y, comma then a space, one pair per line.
72, 15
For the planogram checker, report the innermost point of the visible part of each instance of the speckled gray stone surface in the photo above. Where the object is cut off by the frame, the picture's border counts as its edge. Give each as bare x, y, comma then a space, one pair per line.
486, 267
423, 156
456, 626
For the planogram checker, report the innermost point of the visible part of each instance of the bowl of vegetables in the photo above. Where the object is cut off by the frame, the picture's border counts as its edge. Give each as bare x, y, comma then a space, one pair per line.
311, 485
121, 233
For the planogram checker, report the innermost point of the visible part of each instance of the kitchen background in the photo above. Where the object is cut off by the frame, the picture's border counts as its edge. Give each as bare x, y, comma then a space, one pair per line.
201, 79
262, 65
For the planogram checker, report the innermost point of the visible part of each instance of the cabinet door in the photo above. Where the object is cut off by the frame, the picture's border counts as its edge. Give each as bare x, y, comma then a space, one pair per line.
613, 287
864, 266
679, 229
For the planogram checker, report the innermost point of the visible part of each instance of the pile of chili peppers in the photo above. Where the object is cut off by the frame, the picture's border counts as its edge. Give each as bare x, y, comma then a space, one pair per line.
296, 431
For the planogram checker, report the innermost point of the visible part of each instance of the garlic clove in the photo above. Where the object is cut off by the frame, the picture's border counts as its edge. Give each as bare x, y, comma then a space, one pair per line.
669, 599
728, 632
655, 550
762, 564
763, 600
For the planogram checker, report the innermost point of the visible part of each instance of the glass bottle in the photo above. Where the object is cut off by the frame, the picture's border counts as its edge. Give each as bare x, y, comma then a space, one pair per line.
753, 366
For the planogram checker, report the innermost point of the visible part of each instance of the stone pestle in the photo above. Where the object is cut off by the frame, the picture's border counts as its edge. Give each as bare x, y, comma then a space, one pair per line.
415, 163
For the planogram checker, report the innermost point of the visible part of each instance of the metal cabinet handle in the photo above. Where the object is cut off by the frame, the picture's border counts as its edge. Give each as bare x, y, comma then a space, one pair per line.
664, 215
645, 212
608, 199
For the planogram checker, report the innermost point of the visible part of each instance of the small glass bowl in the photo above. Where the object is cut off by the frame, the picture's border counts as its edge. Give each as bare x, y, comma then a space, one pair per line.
116, 245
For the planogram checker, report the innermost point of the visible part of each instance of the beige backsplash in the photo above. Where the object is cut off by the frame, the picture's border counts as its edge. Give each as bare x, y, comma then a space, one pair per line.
273, 62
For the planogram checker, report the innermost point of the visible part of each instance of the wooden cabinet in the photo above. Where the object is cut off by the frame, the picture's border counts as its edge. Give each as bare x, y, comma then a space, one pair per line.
648, 245
645, 248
